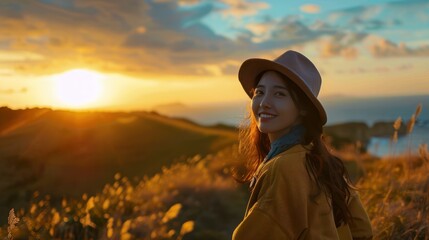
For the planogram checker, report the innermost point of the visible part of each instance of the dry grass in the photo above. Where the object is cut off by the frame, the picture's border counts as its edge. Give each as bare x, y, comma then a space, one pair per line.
195, 199
396, 190
198, 200
395, 194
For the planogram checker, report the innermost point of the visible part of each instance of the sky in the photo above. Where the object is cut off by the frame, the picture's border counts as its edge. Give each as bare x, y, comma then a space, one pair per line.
137, 54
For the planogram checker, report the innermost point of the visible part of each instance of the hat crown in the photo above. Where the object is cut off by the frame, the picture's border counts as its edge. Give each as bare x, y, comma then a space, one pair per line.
303, 67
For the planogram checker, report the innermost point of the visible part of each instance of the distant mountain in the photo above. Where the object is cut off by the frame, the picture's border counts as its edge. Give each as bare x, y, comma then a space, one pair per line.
337, 97
174, 106
69, 153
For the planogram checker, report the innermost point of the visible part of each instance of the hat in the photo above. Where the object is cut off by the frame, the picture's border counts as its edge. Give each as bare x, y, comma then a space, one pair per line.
293, 65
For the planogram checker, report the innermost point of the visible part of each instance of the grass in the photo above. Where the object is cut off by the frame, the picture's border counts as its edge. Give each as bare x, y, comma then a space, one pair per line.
395, 193
69, 153
197, 199
395, 190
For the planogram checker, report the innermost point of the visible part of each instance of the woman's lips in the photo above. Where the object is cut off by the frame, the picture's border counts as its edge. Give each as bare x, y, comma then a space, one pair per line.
266, 117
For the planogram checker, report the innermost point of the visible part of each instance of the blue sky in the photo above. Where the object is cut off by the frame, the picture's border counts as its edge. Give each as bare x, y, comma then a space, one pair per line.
159, 46
389, 19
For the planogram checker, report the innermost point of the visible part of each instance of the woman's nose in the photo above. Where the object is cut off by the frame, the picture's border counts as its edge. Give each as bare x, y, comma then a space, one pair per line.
265, 102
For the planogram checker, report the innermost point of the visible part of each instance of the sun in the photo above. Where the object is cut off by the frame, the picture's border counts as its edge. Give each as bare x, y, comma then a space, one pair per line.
78, 88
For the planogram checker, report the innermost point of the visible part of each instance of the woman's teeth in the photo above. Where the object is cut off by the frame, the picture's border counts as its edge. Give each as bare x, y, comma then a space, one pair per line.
266, 116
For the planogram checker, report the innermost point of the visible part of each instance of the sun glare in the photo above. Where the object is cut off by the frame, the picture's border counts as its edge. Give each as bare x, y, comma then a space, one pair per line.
78, 88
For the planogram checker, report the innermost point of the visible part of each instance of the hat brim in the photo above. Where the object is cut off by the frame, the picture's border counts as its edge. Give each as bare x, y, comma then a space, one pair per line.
251, 68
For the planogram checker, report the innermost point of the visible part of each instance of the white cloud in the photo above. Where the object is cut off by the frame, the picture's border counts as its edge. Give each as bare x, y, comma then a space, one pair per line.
15, 56
385, 48
241, 8
310, 8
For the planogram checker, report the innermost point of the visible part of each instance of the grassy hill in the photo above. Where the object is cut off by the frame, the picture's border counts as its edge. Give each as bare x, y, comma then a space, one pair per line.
188, 192
71, 153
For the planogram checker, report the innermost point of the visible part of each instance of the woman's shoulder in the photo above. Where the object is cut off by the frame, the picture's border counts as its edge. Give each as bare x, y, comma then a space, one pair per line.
292, 156
290, 163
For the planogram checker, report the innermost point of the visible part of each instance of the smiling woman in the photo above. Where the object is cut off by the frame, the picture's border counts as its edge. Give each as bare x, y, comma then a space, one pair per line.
78, 88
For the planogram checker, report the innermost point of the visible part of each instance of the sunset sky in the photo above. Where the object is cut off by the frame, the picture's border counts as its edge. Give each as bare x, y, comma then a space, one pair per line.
136, 54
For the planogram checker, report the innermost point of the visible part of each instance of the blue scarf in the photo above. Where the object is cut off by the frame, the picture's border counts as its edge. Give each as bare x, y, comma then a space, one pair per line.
293, 137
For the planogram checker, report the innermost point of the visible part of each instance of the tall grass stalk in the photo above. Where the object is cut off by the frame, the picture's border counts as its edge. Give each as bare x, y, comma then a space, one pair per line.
410, 127
394, 140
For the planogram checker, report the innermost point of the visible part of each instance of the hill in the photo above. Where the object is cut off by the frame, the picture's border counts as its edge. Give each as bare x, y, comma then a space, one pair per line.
66, 153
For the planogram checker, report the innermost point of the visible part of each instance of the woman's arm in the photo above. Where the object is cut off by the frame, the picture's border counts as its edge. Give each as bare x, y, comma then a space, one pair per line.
361, 226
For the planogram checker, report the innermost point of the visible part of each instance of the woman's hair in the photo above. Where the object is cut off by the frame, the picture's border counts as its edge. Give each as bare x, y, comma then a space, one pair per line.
325, 169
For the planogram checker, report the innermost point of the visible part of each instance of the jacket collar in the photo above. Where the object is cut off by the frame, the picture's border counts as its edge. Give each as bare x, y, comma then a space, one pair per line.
292, 138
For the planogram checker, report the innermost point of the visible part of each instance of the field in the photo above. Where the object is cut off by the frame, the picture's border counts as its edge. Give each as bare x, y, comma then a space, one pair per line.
196, 198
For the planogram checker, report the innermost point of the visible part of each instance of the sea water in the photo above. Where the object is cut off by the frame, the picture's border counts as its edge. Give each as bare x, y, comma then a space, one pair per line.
371, 110
339, 109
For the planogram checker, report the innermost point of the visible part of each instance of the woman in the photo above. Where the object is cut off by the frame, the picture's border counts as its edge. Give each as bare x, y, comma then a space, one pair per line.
299, 190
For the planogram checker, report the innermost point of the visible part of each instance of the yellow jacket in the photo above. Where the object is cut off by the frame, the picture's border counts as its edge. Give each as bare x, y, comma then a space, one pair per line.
281, 206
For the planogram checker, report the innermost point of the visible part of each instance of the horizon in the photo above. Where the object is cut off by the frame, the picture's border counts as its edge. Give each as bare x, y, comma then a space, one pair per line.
215, 103
76, 55
345, 110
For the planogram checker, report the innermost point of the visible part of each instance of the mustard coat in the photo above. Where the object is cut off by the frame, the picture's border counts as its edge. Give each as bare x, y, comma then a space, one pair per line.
280, 206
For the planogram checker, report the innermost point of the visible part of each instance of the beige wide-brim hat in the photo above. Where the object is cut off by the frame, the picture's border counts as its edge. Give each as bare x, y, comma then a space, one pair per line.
293, 65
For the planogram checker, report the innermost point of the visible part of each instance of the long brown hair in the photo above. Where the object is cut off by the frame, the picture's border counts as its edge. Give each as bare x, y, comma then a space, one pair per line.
327, 170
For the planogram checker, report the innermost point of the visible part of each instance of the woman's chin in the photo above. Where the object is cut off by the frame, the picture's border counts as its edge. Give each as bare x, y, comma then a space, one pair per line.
265, 129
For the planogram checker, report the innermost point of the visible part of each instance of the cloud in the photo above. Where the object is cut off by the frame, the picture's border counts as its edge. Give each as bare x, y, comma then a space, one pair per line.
241, 8
132, 37
146, 38
290, 31
330, 49
310, 8
13, 91
386, 48
261, 31
342, 44
347, 29
376, 69
16, 56
381, 16
188, 3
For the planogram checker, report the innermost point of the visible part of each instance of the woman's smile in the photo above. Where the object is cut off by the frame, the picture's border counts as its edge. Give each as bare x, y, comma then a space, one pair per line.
263, 117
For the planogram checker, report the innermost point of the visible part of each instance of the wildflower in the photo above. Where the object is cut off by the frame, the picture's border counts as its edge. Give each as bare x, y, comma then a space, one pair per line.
64, 203
55, 219
187, 227
423, 150
124, 230
172, 212
413, 118
418, 109
117, 176
90, 204
397, 123
106, 204
411, 123
12, 221
110, 228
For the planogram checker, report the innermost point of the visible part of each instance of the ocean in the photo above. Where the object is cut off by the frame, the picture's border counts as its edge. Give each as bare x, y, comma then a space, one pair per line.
339, 109
371, 110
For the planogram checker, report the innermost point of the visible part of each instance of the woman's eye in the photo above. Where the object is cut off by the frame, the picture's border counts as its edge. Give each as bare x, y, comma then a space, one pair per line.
280, 93
257, 92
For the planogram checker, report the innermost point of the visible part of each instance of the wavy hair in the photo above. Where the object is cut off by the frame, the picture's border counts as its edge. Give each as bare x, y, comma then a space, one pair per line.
327, 170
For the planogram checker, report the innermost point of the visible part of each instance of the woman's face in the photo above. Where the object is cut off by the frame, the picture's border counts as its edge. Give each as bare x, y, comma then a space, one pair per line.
272, 106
